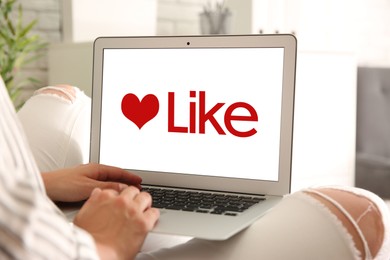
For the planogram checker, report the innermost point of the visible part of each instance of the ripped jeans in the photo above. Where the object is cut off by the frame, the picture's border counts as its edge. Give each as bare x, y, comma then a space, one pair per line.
315, 223
57, 120
303, 227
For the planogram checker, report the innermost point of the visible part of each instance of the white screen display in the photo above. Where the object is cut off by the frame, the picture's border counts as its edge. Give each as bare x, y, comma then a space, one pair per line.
203, 111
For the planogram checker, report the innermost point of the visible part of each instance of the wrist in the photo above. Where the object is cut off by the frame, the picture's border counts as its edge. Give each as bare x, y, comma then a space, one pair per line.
107, 252
46, 178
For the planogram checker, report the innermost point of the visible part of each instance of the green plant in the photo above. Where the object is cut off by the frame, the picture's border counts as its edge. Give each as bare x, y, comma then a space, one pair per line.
17, 48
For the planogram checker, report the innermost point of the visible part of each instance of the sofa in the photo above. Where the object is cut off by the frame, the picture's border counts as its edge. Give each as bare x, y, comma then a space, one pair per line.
373, 130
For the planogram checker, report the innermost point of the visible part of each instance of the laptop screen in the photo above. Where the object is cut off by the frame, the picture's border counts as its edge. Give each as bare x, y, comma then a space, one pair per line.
193, 111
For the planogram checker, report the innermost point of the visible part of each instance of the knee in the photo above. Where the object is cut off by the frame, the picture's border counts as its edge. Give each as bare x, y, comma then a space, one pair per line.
359, 215
67, 92
56, 120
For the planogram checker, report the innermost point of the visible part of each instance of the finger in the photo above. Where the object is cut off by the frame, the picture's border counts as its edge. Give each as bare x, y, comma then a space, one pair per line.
151, 216
130, 193
111, 173
108, 194
112, 185
94, 194
117, 185
144, 200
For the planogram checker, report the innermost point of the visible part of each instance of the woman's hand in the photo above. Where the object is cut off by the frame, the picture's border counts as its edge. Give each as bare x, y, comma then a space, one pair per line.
76, 184
118, 221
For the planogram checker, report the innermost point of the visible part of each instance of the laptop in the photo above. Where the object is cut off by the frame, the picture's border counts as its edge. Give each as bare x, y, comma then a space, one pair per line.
208, 119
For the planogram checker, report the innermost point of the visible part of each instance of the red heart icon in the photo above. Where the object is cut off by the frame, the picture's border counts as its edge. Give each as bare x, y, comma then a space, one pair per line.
140, 112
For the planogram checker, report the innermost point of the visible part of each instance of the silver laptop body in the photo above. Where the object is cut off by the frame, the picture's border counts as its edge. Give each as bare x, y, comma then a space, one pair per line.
198, 113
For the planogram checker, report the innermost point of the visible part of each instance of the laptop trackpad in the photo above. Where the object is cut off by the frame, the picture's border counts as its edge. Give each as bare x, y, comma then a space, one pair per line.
209, 226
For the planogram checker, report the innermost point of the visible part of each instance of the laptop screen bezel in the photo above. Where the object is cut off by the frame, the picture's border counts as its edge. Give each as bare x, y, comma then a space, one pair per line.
287, 42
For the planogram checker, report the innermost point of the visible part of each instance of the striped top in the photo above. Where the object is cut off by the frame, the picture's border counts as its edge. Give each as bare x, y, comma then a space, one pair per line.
31, 226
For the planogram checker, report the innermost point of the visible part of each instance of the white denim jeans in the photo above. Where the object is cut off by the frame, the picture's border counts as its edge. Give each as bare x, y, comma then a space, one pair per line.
300, 227
57, 128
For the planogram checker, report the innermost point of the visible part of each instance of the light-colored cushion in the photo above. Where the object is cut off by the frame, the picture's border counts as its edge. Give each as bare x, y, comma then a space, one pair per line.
373, 130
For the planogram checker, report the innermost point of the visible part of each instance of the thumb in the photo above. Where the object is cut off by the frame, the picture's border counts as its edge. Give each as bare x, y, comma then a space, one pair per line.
94, 194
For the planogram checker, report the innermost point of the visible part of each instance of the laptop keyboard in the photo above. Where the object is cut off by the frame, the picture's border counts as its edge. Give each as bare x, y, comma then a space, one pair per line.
199, 201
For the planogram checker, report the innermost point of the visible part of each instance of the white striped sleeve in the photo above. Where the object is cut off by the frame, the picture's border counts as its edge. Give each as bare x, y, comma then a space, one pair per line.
31, 226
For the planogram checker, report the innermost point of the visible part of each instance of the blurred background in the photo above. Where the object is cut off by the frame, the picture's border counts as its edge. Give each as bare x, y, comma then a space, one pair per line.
342, 68
358, 26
